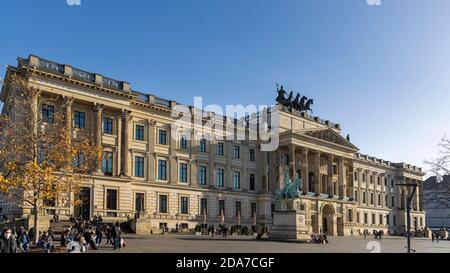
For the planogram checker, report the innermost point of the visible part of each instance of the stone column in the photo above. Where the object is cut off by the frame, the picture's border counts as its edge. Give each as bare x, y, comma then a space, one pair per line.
265, 175
68, 102
305, 171
212, 165
151, 150
173, 162
125, 142
330, 188
280, 171
292, 162
420, 194
193, 161
118, 152
317, 173
351, 181
342, 178
35, 110
98, 110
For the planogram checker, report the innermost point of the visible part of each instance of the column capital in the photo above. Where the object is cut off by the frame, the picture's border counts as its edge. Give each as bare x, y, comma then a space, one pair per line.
98, 107
68, 101
305, 151
125, 113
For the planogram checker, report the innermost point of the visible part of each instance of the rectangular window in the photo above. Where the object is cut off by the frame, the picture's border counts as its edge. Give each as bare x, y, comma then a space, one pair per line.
356, 195
202, 175
203, 206
373, 219
107, 125
163, 204
394, 220
364, 177
183, 172
252, 155
162, 137
356, 176
162, 169
366, 220
392, 202
371, 179
107, 163
203, 145
371, 198
222, 207
236, 152
236, 180
219, 149
386, 204
350, 215
253, 212
139, 202
78, 160
387, 220
220, 178
79, 120
364, 197
358, 219
378, 180
139, 166
111, 199
183, 142
334, 170
381, 219
184, 205
47, 113
139, 132
238, 208
252, 182
379, 199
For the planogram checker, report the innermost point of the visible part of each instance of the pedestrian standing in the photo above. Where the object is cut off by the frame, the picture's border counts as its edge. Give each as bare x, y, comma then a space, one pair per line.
7, 243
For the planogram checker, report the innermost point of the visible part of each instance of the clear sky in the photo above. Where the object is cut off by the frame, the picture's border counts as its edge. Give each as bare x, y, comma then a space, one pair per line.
382, 72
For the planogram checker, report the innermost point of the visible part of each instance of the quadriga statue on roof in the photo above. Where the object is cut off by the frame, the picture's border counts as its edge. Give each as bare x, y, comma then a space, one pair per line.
285, 196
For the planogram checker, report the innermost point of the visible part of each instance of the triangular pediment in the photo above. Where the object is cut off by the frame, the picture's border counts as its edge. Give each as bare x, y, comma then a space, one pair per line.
330, 136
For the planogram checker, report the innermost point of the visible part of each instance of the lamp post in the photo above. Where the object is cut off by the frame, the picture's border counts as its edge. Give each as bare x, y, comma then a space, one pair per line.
414, 187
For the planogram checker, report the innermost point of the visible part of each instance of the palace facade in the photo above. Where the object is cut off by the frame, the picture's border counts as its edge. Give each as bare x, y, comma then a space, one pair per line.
176, 179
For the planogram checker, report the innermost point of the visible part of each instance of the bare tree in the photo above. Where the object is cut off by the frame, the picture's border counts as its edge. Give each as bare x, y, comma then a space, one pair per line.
439, 192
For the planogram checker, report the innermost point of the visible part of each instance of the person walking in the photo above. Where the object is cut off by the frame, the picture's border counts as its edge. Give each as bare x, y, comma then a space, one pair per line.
116, 235
432, 237
7, 243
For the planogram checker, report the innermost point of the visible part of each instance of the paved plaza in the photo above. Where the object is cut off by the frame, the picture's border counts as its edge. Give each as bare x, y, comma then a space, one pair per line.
242, 244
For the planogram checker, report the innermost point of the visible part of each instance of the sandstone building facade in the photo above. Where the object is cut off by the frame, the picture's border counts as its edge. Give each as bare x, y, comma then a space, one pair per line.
173, 180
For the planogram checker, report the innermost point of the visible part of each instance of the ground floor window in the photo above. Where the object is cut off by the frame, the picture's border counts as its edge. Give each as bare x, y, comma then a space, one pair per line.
203, 206
111, 199
163, 204
139, 202
184, 205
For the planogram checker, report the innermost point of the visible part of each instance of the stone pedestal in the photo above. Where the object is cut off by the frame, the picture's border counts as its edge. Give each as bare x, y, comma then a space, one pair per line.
144, 225
289, 225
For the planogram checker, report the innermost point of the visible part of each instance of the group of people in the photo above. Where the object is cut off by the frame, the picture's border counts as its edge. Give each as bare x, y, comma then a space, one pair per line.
84, 235
12, 241
378, 234
319, 238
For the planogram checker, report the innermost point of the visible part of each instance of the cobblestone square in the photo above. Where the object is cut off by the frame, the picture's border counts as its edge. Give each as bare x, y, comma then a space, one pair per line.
204, 244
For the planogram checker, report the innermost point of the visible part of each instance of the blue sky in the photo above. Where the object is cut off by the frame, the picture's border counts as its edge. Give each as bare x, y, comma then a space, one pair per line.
382, 72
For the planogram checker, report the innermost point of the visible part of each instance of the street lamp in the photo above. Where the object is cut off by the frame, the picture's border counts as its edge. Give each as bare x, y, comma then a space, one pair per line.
414, 187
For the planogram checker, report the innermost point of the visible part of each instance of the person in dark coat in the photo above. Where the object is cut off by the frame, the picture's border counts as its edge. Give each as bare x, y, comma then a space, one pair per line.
116, 235
7, 243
